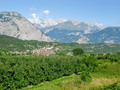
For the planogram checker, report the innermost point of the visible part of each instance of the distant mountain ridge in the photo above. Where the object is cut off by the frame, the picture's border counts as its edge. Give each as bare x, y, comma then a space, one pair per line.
65, 31
72, 30
107, 35
72, 24
15, 25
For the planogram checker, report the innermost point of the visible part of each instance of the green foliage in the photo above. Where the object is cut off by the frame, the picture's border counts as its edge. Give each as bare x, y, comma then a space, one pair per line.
91, 62
118, 53
107, 73
1, 53
20, 71
77, 51
78, 82
92, 54
85, 76
8, 43
101, 56
62, 53
113, 86
112, 58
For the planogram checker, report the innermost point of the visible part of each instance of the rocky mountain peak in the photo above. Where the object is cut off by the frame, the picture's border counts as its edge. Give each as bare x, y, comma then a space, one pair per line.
15, 25
7, 16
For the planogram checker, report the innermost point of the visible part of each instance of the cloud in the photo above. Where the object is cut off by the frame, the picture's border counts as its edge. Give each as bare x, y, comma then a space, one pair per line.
33, 9
34, 19
34, 15
46, 12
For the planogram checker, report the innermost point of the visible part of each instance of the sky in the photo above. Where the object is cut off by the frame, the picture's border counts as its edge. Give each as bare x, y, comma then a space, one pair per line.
106, 12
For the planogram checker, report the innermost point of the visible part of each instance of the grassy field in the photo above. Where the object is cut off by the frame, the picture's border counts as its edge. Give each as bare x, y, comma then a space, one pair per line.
105, 78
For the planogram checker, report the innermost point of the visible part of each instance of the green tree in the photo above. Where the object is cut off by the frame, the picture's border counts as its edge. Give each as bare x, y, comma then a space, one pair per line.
1, 53
78, 51
62, 53
118, 53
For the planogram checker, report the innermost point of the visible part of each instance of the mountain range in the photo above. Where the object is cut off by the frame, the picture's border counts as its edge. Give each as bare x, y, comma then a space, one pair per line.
15, 25
68, 31
62, 30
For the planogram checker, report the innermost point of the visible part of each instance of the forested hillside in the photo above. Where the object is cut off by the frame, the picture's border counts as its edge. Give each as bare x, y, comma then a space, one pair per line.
8, 43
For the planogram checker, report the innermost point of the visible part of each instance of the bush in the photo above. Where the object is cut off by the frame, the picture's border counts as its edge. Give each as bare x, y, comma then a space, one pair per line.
118, 53
85, 76
1, 53
62, 53
78, 51
91, 62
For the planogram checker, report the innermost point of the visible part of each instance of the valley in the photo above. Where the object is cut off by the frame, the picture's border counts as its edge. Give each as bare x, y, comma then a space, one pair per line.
11, 44
37, 54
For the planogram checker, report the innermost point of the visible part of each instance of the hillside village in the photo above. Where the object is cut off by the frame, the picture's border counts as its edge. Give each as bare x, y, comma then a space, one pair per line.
45, 51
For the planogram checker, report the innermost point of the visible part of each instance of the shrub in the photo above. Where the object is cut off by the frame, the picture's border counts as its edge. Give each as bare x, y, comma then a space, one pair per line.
85, 76
62, 53
78, 51
91, 62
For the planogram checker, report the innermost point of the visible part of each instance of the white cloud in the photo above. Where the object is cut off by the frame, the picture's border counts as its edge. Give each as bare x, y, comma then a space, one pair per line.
33, 9
46, 12
109, 41
34, 19
34, 15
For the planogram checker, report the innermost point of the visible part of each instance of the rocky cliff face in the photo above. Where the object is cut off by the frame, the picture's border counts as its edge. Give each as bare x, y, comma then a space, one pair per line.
15, 25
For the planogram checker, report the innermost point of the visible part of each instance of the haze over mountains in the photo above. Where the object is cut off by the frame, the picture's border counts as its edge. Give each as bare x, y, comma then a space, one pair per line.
72, 24
62, 30
68, 31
